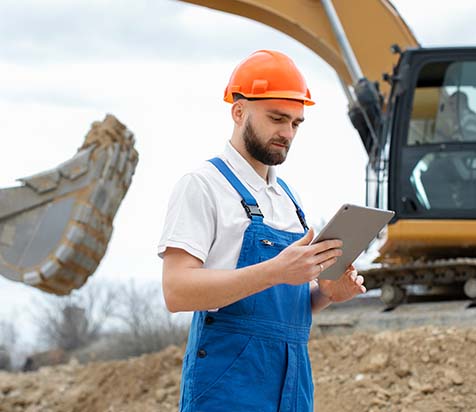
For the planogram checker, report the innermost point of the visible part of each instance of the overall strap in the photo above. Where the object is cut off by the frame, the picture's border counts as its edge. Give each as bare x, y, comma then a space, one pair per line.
248, 201
299, 211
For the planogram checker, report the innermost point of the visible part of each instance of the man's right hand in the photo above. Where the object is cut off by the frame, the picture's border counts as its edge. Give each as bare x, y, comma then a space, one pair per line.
300, 262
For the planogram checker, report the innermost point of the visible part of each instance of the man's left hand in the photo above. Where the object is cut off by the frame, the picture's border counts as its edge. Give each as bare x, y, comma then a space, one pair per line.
345, 288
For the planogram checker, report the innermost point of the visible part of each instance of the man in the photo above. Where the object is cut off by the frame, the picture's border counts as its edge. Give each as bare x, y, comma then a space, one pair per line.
456, 121
235, 239
464, 117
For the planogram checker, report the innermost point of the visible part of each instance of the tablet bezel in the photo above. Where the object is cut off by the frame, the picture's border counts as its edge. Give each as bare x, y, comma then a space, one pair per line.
356, 226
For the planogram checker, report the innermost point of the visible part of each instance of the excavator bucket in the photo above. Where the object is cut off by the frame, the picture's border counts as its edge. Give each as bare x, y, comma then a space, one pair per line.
55, 226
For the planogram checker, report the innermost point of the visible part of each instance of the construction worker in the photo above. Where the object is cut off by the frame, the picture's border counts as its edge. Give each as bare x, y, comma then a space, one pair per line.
465, 118
235, 250
456, 121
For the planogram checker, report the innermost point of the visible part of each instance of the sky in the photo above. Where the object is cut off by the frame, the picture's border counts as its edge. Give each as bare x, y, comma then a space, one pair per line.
160, 66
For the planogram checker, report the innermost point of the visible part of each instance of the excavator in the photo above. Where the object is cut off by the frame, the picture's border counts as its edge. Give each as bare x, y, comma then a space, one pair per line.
414, 111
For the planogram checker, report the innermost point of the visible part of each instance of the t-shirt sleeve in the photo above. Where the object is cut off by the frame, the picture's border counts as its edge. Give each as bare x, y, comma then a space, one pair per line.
190, 220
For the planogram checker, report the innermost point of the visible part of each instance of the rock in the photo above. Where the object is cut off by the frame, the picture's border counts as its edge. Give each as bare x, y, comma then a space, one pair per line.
471, 335
359, 377
168, 382
376, 362
423, 388
378, 402
434, 353
427, 388
402, 369
360, 351
454, 376
161, 394
451, 361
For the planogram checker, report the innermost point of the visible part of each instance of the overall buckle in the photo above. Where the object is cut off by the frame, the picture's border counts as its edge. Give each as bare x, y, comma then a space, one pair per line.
251, 210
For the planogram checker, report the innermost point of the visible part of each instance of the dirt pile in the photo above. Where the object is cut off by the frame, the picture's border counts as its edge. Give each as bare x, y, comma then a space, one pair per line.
426, 369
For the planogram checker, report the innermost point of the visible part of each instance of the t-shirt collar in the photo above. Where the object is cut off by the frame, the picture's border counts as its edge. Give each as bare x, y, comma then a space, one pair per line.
246, 171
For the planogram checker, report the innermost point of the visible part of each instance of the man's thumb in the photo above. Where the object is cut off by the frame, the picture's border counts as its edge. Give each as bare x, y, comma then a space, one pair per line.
306, 239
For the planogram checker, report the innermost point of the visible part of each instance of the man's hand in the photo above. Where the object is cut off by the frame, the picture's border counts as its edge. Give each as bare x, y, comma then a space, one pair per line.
345, 288
300, 262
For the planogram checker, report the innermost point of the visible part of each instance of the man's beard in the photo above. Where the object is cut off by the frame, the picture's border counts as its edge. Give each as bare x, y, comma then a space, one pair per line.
263, 152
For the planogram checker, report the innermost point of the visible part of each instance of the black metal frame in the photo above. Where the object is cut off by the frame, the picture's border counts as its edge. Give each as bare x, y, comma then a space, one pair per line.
400, 105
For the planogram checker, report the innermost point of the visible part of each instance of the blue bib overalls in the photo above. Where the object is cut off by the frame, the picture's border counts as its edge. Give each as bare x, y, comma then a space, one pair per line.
252, 355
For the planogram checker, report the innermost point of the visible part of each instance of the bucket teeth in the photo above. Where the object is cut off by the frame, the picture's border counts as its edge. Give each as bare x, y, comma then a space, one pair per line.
64, 253
50, 268
42, 182
32, 278
77, 166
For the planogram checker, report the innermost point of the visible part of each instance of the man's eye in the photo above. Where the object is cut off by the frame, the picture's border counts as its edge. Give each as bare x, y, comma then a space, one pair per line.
276, 119
296, 125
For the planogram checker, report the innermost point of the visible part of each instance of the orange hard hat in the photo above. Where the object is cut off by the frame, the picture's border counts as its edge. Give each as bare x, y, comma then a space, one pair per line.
268, 74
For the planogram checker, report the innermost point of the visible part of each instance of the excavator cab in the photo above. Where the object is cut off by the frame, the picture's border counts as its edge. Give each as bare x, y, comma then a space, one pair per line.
433, 147
428, 173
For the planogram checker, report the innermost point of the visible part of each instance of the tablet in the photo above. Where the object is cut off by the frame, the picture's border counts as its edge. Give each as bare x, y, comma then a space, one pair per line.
356, 226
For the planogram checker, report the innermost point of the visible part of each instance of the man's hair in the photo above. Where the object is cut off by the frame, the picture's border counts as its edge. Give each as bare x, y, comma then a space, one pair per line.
238, 96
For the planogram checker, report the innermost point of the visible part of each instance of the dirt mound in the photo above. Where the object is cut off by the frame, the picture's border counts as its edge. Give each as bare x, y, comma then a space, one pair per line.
425, 369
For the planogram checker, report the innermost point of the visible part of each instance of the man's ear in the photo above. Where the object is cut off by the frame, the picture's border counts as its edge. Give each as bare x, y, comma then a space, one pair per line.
238, 112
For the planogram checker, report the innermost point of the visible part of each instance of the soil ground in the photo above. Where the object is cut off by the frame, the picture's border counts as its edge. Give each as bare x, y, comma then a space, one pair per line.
426, 369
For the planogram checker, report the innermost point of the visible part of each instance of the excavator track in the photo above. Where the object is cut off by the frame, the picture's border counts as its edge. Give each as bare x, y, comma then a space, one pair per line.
442, 272
55, 227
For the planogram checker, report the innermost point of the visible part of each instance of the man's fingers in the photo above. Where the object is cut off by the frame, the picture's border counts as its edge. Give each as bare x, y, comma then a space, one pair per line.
359, 284
325, 264
326, 245
306, 239
357, 280
327, 255
353, 275
350, 269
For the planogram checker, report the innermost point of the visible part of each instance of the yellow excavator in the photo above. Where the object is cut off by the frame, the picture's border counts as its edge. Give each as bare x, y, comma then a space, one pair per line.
413, 108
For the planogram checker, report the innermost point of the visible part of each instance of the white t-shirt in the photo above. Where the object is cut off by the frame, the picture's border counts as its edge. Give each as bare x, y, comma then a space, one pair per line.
205, 216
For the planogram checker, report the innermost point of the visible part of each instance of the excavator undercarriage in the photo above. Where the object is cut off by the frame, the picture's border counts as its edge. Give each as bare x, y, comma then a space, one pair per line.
457, 274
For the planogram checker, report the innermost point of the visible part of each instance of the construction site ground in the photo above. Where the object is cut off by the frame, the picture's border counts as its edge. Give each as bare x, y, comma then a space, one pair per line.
417, 357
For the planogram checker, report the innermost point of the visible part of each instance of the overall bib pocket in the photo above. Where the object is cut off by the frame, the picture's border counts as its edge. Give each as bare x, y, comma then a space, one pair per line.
221, 360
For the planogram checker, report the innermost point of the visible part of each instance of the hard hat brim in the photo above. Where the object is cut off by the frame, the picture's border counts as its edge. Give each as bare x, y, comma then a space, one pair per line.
286, 95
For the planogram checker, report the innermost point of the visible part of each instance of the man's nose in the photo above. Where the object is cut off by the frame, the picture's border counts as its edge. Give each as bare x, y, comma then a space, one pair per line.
287, 131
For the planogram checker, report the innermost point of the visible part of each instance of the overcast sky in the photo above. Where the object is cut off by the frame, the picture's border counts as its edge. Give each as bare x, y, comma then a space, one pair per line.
161, 66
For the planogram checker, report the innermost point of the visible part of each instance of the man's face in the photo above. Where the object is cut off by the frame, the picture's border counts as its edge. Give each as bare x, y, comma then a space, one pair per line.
270, 128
